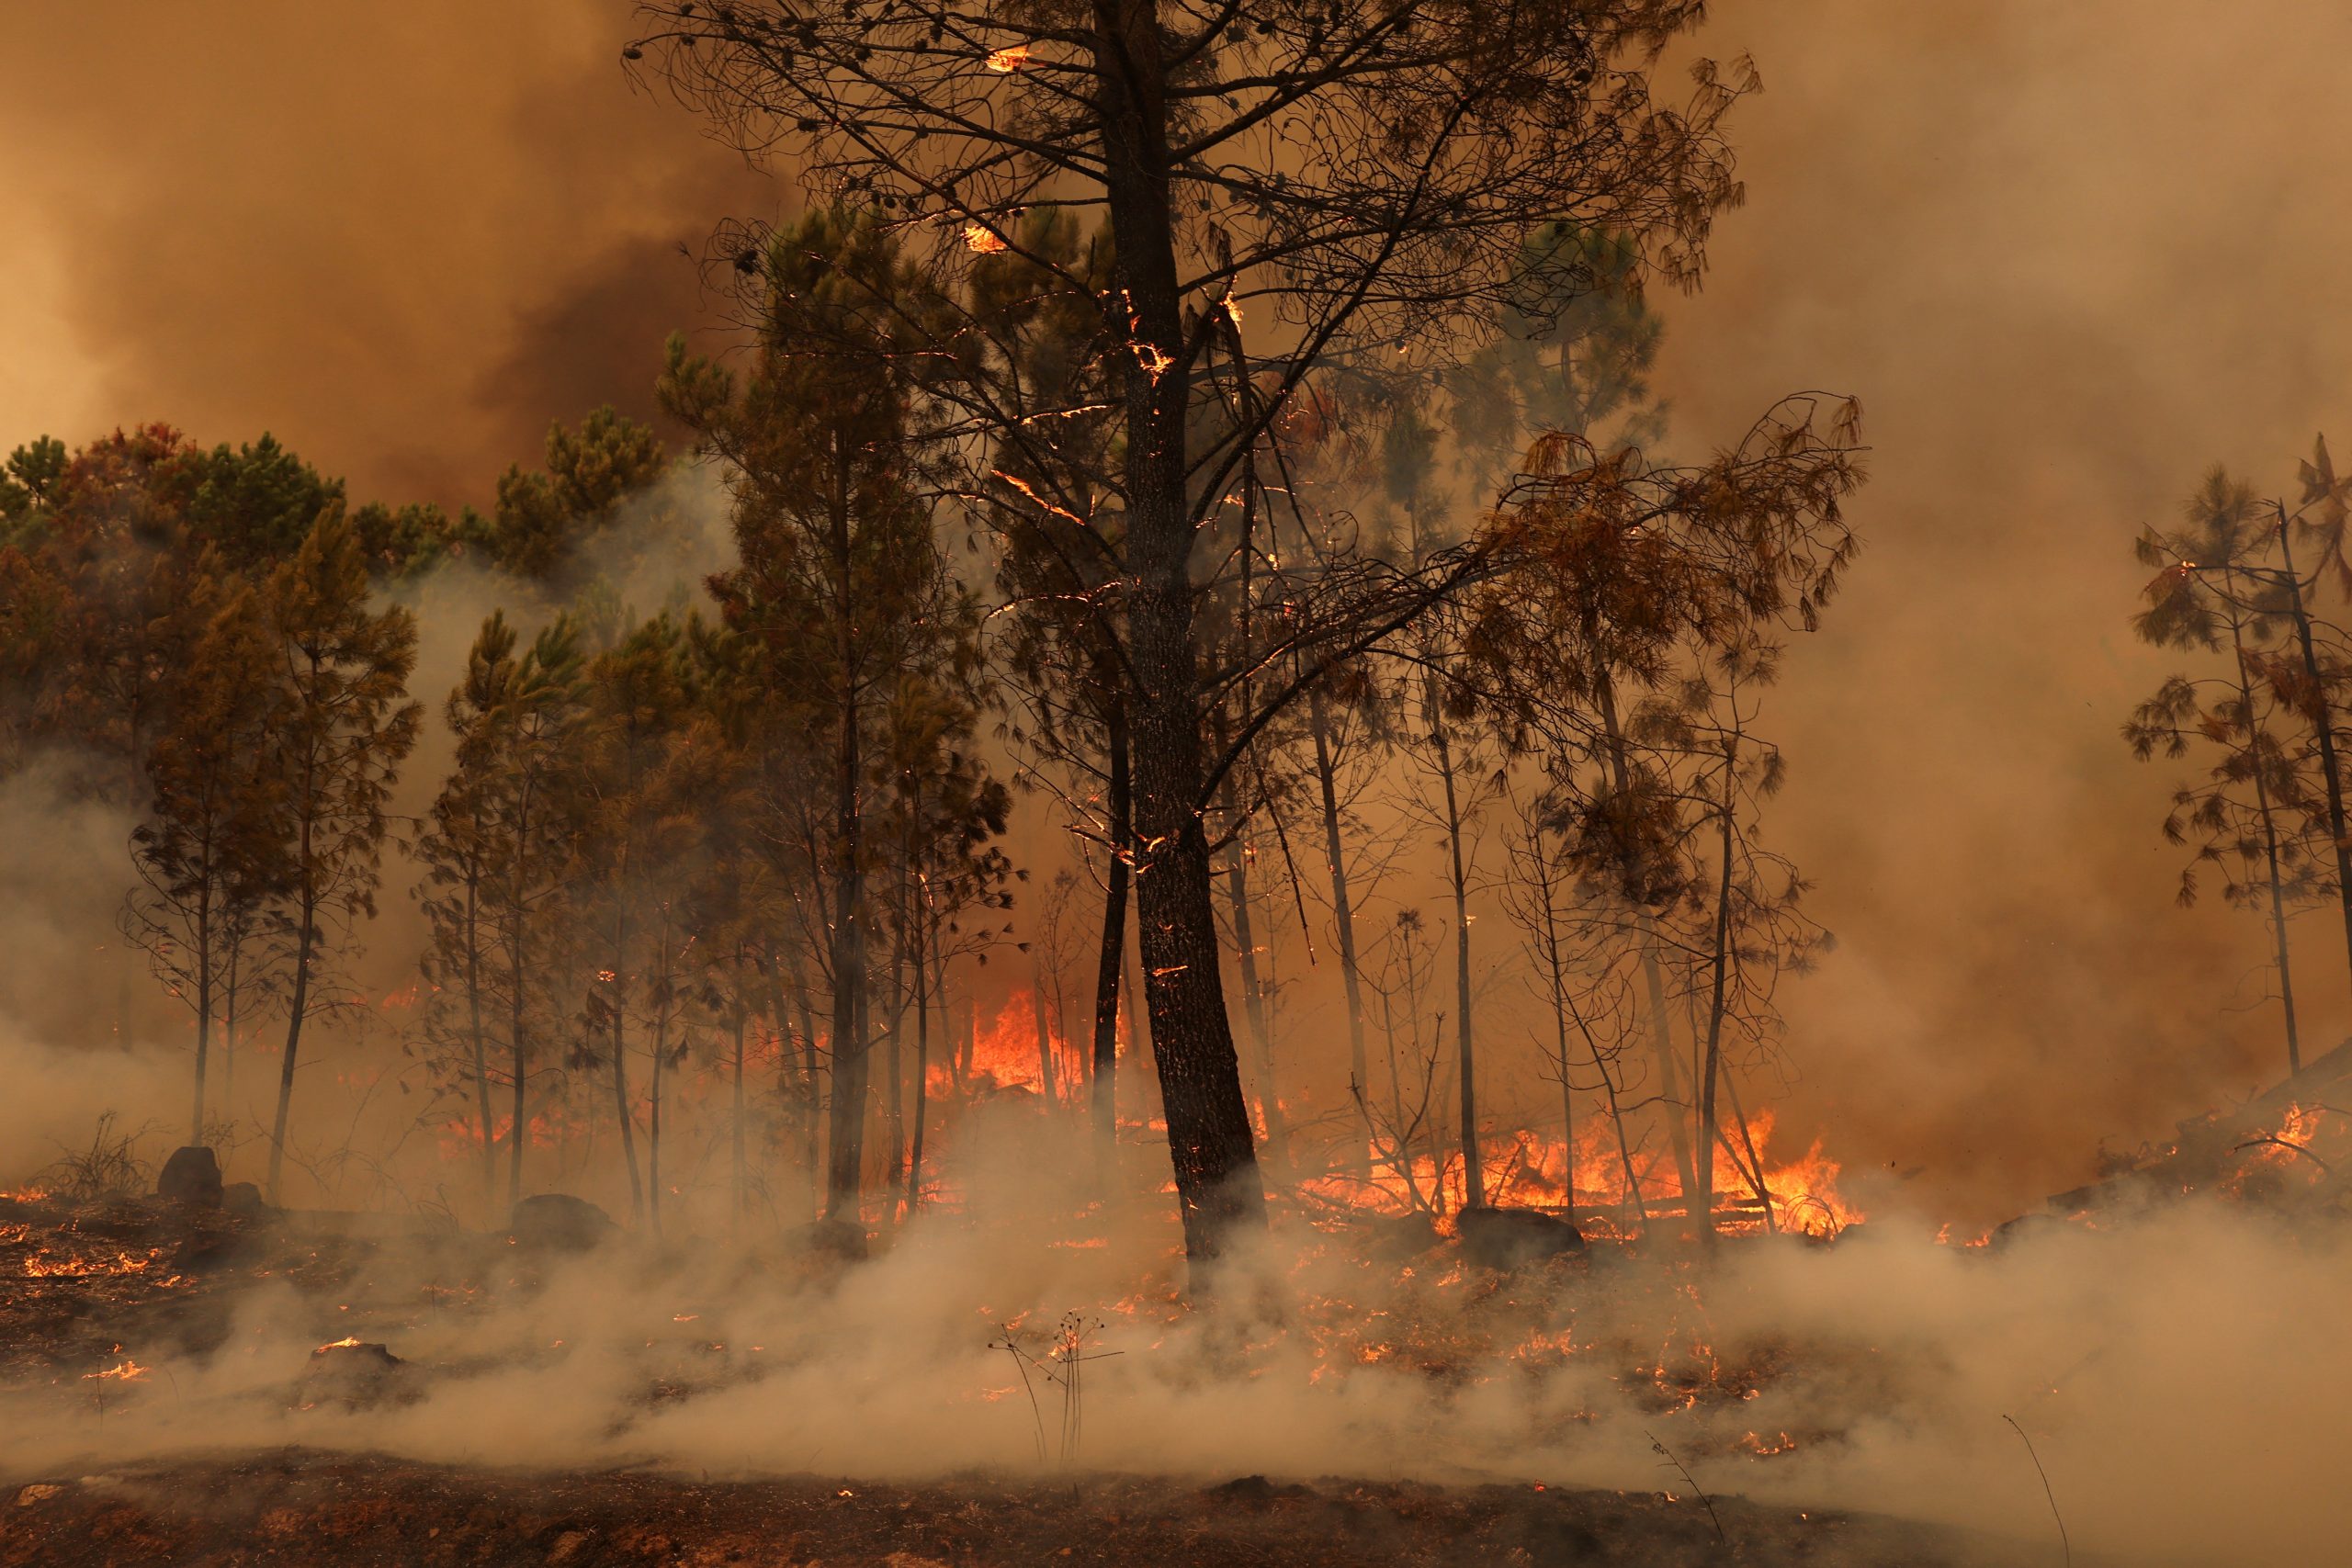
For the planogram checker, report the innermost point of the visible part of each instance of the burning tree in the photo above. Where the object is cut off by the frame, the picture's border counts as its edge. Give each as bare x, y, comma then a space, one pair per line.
1627, 664
1357, 178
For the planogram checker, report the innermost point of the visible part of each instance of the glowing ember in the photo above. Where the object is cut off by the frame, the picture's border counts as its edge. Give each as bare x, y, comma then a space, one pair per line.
347, 1343
47, 1267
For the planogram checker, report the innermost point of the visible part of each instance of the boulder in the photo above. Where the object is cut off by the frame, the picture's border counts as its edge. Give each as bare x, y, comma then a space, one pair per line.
243, 1198
1507, 1238
561, 1223
192, 1177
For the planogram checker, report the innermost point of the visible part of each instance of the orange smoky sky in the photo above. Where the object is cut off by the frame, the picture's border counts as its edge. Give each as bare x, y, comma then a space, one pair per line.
403, 237
2066, 256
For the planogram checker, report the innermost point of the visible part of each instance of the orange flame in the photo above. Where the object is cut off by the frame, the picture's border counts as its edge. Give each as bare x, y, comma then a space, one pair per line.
1533, 1169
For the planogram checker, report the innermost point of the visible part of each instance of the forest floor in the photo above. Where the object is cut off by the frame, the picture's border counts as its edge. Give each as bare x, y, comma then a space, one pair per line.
97, 1300
301, 1507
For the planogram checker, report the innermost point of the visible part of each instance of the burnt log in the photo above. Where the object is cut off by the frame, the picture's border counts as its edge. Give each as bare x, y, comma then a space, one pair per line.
1508, 1238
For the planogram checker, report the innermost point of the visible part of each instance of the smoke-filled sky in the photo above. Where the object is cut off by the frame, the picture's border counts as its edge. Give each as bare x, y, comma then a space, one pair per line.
2066, 256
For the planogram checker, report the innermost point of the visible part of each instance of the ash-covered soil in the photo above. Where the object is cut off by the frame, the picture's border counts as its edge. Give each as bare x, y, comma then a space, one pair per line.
328, 1510
98, 1302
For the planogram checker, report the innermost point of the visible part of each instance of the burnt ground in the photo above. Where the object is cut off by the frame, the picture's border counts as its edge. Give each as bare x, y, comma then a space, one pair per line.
85, 1286
299, 1506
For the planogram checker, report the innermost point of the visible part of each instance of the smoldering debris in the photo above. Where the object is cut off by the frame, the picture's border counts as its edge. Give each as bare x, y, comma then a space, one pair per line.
1876, 1372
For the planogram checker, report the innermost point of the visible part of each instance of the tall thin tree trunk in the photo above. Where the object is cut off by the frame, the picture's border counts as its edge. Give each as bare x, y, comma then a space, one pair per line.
1318, 725
2322, 718
518, 990
1703, 1210
2254, 740
742, 1170
1110, 953
1654, 982
923, 1068
844, 1176
894, 1064
812, 1104
232, 975
660, 988
297, 1007
1555, 975
480, 1047
621, 1113
1042, 1026
1210, 1146
1474, 1189
203, 1005
1253, 997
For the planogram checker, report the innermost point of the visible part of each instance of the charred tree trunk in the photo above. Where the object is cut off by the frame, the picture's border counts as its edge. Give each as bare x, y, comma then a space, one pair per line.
923, 1065
811, 1100
653, 1122
1254, 996
1041, 1024
845, 1156
203, 1004
1342, 908
2322, 718
518, 991
624, 1119
1556, 976
741, 1172
480, 1039
232, 975
1103, 1110
1703, 1208
1473, 1189
297, 1007
2269, 833
1654, 982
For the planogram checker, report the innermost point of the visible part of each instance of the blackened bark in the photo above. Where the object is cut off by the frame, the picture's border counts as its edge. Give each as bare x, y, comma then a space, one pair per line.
1703, 1208
846, 1155
1104, 1109
1474, 1183
1318, 724
1210, 1147
620, 1064
1661, 1028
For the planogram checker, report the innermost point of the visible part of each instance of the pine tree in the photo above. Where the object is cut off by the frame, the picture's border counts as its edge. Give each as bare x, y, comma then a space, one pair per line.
343, 728
842, 589
1420, 141
210, 848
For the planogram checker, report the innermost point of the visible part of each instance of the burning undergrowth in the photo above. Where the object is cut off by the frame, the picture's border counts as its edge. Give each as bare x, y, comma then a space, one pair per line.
1878, 1370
